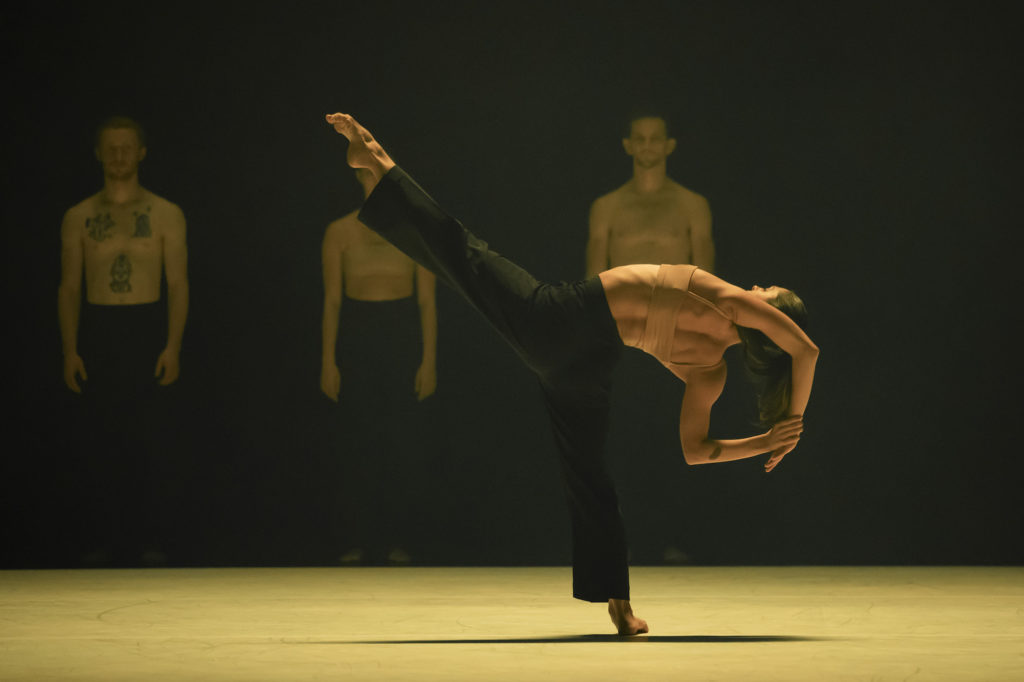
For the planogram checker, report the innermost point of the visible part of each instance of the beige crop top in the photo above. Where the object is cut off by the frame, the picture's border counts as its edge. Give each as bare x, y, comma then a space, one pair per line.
671, 301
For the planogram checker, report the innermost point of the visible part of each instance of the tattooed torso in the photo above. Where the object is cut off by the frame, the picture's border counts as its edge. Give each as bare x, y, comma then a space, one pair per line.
122, 248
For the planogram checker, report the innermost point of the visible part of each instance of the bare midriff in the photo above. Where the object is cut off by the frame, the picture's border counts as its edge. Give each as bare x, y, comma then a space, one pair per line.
686, 328
628, 289
378, 287
375, 270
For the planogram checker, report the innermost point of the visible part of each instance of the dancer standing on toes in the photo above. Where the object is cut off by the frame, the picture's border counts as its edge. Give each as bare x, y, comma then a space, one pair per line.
571, 335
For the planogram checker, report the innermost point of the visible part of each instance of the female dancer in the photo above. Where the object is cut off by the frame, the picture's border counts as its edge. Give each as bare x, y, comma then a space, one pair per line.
570, 336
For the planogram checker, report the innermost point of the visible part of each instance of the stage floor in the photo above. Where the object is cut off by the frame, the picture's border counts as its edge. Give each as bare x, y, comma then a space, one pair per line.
497, 624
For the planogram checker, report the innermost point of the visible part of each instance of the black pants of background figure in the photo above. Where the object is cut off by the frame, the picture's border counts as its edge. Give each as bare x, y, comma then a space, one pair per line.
379, 453
565, 334
122, 459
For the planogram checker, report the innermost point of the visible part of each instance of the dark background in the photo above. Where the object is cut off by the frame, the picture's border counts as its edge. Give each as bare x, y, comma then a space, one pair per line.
859, 153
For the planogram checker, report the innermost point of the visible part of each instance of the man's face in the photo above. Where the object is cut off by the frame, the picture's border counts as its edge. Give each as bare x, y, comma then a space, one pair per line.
120, 153
648, 142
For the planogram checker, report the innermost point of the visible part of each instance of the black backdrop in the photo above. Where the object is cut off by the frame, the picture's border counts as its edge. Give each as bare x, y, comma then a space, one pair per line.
859, 153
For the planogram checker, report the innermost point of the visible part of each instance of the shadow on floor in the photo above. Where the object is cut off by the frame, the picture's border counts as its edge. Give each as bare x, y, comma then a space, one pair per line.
577, 639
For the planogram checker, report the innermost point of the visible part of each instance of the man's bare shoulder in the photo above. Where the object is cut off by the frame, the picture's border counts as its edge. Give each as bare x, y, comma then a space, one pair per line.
83, 208
687, 196
622, 190
346, 223
162, 206
342, 231
613, 198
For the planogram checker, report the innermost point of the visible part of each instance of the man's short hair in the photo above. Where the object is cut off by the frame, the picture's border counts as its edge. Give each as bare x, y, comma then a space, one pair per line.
121, 123
647, 112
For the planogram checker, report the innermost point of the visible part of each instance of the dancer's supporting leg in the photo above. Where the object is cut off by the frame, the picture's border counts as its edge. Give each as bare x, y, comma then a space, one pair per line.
573, 370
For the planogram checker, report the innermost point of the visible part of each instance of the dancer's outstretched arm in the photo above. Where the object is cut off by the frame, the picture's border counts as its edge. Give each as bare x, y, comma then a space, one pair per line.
703, 386
752, 312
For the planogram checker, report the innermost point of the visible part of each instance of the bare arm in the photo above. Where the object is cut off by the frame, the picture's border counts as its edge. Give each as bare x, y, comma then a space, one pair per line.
747, 310
597, 240
703, 387
69, 299
176, 271
426, 375
702, 246
332, 263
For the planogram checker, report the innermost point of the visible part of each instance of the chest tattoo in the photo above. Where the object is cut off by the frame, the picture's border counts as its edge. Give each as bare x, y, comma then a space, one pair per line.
121, 274
99, 226
142, 228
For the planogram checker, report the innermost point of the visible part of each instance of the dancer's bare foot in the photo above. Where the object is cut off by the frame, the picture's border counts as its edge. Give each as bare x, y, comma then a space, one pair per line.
363, 150
622, 615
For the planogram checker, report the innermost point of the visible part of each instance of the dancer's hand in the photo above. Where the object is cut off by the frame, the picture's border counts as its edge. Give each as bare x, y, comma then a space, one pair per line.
782, 438
330, 380
167, 367
426, 381
776, 457
73, 369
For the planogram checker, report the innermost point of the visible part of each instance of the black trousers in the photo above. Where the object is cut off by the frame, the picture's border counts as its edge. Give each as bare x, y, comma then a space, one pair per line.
123, 463
381, 467
564, 333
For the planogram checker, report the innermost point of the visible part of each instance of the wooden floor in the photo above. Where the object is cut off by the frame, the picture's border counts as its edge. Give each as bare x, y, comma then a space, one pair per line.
497, 624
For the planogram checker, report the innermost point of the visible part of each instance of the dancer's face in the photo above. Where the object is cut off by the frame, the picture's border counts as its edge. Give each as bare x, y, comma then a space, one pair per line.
120, 153
767, 294
648, 142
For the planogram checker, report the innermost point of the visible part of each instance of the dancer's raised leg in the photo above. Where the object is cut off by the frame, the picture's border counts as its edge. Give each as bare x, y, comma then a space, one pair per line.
363, 150
566, 342
401, 212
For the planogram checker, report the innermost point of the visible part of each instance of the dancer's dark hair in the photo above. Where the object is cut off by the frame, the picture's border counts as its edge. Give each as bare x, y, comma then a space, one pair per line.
640, 112
119, 123
770, 366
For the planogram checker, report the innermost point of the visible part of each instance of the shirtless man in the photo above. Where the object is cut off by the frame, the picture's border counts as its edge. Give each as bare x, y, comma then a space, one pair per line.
121, 345
650, 219
123, 238
571, 334
376, 281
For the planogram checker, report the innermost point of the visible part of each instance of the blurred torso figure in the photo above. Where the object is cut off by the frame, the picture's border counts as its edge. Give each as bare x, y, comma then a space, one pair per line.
651, 218
379, 349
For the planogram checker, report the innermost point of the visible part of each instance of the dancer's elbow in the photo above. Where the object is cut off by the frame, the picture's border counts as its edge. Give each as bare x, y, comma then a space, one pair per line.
694, 453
